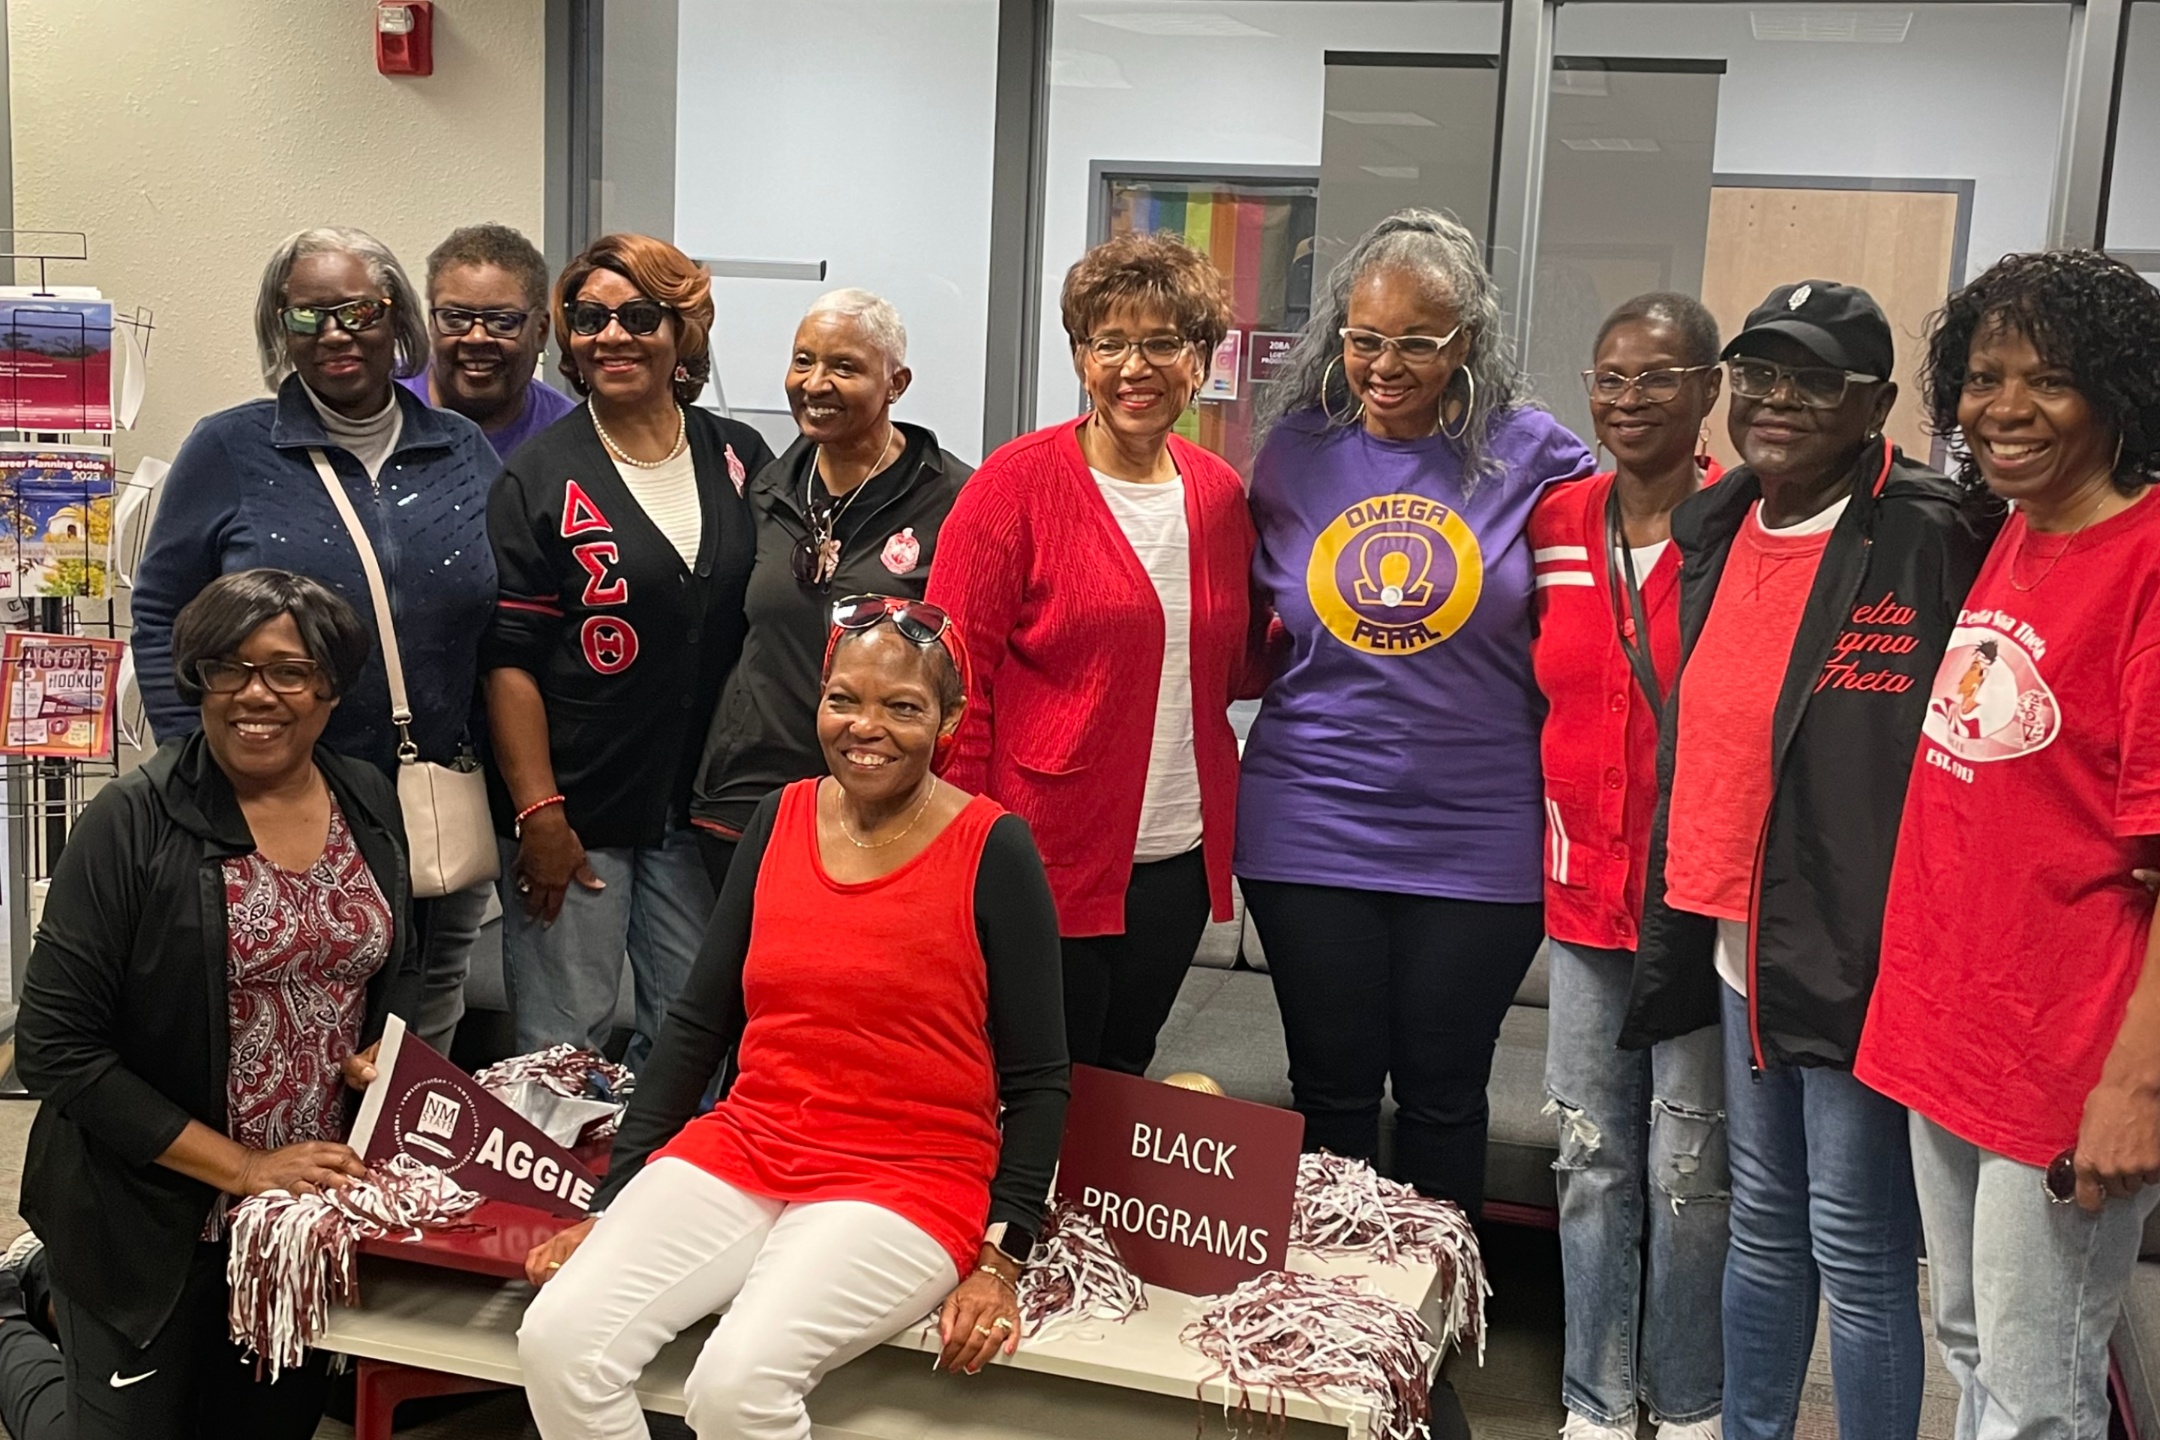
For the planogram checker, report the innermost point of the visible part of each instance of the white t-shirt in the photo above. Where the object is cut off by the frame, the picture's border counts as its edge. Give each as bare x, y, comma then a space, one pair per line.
669, 494
1153, 519
1645, 558
1731, 954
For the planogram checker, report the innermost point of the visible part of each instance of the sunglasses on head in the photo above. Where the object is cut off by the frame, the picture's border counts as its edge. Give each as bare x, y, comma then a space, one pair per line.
637, 317
917, 620
353, 316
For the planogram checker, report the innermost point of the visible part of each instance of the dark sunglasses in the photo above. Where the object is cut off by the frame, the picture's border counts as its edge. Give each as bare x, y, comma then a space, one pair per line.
452, 322
352, 317
637, 317
917, 621
230, 677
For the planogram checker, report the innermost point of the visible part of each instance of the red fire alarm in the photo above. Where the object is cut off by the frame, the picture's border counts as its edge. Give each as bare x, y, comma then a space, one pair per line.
405, 37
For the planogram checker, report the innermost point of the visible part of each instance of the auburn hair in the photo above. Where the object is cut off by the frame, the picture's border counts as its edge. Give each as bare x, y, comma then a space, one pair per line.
660, 272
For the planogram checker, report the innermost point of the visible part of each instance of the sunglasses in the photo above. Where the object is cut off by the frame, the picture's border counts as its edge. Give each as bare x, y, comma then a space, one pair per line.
1415, 349
230, 677
1819, 387
451, 322
352, 317
1659, 387
637, 317
917, 621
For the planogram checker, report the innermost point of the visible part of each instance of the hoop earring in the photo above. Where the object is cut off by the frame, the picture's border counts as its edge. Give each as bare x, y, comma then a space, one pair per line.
1469, 404
1333, 419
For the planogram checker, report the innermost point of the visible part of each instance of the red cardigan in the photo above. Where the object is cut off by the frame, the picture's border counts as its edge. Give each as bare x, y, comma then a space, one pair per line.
1600, 739
1064, 636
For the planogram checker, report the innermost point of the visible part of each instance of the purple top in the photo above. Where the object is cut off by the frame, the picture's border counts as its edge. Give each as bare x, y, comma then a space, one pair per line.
1397, 747
544, 405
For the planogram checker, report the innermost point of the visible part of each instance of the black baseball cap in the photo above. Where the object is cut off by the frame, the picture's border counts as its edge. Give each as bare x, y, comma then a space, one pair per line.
1839, 324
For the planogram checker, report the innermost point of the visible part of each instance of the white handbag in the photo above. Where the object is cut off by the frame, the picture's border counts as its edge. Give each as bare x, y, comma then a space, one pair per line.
449, 834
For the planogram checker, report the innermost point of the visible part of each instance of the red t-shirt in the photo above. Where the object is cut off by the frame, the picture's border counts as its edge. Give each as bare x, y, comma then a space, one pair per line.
864, 1071
2014, 932
1728, 700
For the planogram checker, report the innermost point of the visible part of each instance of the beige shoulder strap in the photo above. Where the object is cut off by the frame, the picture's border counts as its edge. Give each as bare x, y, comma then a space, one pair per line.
393, 665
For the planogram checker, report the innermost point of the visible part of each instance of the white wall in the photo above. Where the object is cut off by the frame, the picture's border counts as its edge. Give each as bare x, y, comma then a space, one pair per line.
189, 138
2134, 201
1120, 94
857, 132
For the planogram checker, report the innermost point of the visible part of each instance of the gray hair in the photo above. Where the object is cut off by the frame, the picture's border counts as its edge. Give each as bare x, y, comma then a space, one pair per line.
408, 314
1445, 257
874, 313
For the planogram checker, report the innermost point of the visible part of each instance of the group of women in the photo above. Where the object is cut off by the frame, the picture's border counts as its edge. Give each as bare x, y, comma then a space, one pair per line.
903, 788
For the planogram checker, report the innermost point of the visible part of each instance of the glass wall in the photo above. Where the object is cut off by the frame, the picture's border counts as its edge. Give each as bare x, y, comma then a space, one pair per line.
2133, 218
852, 134
1899, 149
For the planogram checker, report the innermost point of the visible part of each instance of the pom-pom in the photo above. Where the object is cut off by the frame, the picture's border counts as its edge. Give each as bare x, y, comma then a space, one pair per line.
572, 1074
1283, 1331
1345, 1207
1077, 1272
293, 1256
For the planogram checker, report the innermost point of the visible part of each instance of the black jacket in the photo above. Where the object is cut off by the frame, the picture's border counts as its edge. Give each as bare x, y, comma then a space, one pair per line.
629, 647
124, 1032
1842, 742
764, 733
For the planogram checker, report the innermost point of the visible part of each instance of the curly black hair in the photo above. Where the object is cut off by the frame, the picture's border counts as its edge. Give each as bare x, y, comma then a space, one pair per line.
2088, 313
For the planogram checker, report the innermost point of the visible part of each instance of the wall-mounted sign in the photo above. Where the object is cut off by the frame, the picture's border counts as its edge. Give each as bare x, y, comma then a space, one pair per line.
1266, 354
1222, 376
1195, 1189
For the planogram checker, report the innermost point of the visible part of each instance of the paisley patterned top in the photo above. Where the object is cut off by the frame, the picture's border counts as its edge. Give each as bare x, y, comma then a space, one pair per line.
302, 947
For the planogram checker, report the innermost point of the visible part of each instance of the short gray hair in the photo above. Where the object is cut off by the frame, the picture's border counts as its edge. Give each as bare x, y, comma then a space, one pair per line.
876, 315
1449, 262
408, 313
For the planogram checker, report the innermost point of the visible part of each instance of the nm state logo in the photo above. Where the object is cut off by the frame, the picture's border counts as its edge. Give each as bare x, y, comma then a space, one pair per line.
1394, 574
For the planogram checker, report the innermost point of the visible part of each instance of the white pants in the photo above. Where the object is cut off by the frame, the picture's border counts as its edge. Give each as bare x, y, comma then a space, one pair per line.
813, 1286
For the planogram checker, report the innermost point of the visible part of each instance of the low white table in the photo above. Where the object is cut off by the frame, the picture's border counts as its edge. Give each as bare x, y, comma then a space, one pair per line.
1080, 1380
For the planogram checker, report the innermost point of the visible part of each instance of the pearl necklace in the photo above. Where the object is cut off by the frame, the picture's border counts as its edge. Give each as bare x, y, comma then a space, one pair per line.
841, 813
682, 432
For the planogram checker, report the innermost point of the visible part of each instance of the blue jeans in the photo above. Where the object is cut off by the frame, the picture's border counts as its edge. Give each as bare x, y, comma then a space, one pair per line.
449, 927
2025, 1291
563, 979
1643, 1201
1822, 1206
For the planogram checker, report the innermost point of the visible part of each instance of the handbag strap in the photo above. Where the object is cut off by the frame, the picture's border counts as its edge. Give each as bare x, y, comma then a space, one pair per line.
393, 665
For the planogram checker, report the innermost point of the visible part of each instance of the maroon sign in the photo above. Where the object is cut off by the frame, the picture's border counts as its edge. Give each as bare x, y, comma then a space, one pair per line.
421, 1105
1195, 1189
1266, 353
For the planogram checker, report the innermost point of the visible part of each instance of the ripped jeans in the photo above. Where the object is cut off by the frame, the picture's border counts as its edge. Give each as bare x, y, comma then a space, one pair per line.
1644, 1201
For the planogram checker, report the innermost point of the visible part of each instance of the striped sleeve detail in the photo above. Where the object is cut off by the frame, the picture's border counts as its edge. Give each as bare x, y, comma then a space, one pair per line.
1561, 565
1556, 843
535, 607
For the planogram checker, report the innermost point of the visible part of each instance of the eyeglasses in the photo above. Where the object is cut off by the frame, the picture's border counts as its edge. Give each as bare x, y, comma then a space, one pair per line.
284, 677
1819, 387
917, 620
353, 316
1158, 350
1658, 387
452, 322
1414, 349
637, 317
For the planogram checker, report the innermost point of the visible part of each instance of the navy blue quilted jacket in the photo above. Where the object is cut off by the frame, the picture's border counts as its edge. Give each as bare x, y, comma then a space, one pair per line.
243, 493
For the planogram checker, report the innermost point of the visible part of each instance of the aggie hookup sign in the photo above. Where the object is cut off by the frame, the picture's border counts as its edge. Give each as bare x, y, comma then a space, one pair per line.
1195, 1189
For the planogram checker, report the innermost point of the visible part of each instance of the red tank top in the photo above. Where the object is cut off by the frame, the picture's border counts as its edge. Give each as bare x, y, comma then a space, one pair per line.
865, 1070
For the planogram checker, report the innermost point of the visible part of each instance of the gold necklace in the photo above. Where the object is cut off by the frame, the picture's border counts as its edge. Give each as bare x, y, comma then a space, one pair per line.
2068, 541
682, 431
841, 812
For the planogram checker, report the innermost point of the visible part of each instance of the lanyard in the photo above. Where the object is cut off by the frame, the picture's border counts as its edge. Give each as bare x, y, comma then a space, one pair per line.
1630, 621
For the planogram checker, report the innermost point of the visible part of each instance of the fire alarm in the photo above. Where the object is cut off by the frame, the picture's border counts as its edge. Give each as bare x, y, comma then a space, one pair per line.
405, 37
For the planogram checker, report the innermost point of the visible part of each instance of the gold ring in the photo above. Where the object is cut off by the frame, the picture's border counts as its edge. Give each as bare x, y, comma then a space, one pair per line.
554, 1265
1002, 1323
982, 1330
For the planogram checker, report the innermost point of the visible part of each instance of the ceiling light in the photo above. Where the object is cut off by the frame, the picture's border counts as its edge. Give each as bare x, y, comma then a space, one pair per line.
1632, 147
1382, 117
1391, 172
1181, 26
1581, 82
1862, 27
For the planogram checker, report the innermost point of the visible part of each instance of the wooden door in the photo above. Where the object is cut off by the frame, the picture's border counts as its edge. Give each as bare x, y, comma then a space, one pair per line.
1898, 245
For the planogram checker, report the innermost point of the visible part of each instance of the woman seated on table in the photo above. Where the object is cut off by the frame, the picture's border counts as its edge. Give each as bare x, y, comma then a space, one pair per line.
884, 962
227, 926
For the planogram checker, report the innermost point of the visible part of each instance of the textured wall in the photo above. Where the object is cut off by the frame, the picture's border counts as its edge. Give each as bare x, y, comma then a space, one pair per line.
189, 138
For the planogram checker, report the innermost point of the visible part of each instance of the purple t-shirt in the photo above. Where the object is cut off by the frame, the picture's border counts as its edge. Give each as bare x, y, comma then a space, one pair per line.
544, 405
1397, 748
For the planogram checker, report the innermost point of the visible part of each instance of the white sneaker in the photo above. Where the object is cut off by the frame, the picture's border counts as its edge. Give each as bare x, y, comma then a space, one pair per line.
1580, 1427
1710, 1429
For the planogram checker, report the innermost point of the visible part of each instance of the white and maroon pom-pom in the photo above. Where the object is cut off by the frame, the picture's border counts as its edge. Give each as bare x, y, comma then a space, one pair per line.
1284, 1332
1076, 1273
570, 1072
1345, 1207
293, 1256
